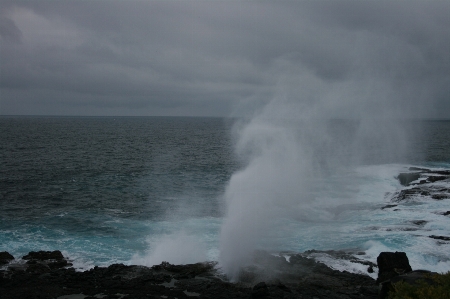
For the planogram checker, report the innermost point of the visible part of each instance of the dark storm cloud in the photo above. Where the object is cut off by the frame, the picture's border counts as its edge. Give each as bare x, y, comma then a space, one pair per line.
223, 57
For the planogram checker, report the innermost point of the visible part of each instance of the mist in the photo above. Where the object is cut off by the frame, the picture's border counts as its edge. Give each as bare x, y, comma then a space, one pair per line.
291, 150
177, 248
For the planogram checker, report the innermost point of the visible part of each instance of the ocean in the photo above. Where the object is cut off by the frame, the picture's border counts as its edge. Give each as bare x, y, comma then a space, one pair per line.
142, 190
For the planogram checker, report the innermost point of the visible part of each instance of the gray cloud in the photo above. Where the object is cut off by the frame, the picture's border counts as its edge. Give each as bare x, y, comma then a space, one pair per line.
224, 57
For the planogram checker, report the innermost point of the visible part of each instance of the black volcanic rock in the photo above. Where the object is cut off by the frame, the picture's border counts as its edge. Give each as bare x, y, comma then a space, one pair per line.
391, 264
51, 259
44, 255
444, 238
5, 257
435, 178
273, 277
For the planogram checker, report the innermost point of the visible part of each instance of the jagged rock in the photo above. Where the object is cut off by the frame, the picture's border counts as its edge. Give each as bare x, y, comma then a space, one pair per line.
5, 257
440, 196
302, 277
391, 264
425, 176
44, 255
52, 259
37, 268
413, 192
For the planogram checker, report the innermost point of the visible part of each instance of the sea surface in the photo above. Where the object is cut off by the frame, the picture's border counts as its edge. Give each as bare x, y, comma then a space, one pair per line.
140, 190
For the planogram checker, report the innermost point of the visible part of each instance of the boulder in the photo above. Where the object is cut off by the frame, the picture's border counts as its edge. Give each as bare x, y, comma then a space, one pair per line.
391, 264
5, 257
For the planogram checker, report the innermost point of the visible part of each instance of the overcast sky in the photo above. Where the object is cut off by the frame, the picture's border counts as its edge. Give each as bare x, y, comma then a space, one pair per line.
225, 58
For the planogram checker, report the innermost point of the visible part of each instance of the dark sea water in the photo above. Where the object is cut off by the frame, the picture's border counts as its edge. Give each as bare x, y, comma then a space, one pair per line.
92, 183
106, 190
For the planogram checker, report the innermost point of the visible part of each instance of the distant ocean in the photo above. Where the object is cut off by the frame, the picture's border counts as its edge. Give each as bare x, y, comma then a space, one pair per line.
140, 190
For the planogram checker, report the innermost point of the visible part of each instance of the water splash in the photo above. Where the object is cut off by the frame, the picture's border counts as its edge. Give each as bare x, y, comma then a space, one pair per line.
291, 153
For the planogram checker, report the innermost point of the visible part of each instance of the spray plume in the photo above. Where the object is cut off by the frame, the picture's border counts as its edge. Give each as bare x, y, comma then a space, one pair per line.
291, 148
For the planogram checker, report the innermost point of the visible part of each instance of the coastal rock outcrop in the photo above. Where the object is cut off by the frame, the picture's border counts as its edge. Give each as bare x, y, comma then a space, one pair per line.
422, 176
270, 277
391, 264
408, 177
394, 268
5, 258
421, 184
42, 260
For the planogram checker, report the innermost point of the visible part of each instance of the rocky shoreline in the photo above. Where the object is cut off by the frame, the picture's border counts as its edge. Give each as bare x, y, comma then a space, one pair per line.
423, 184
49, 275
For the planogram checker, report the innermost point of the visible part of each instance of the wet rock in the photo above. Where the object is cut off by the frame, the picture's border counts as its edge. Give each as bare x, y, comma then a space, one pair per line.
44, 255
440, 196
419, 222
411, 193
52, 259
5, 258
391, 264
425, 188
419, 169
424, 177
436, 178
444, 238
388, 206
407, 177
302, 277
